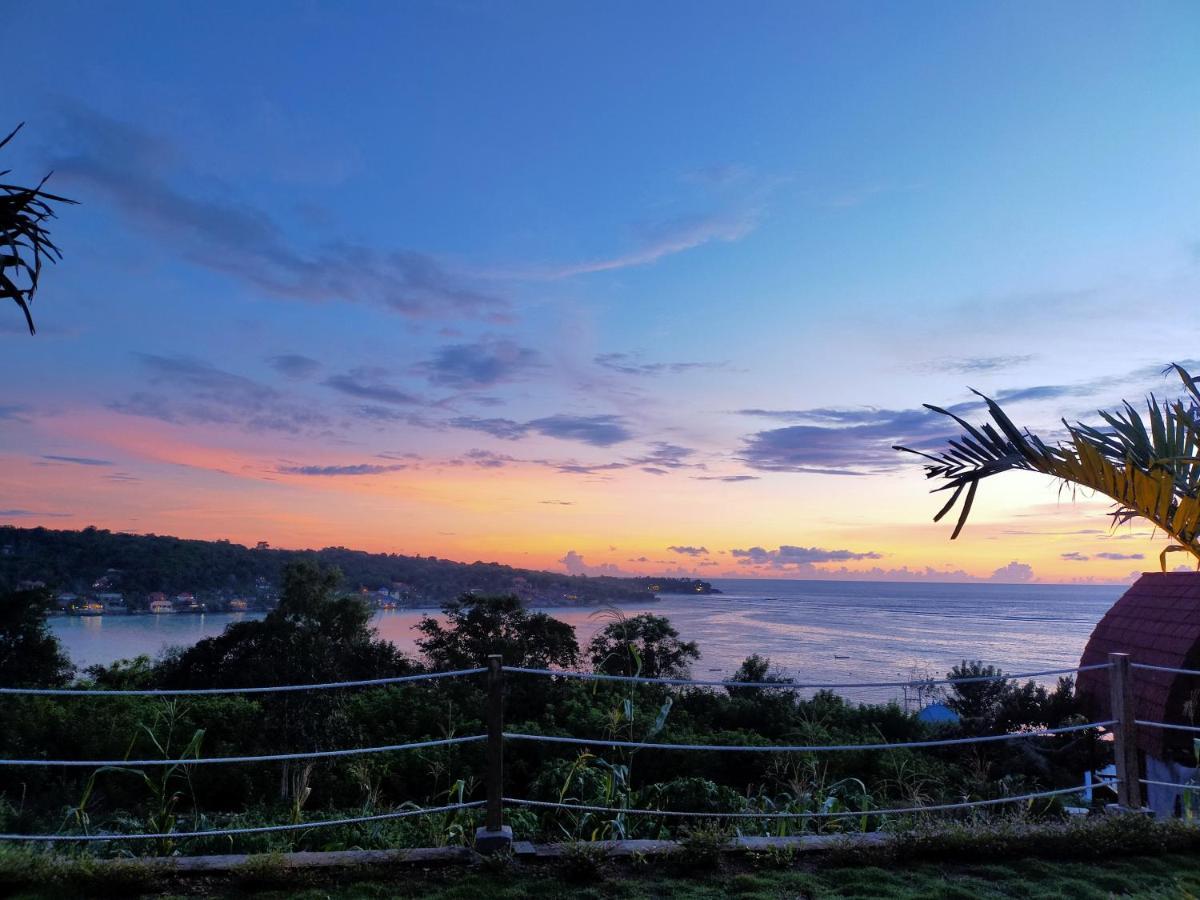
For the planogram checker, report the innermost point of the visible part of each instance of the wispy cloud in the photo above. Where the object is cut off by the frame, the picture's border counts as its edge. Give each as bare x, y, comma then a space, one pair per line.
598, 431
369, 384
15, 412
31, 514
294, 365
78, 460
659, 240
631, 364
841, 441
970, 365
135, 171
199, 392
481, 364
334, 471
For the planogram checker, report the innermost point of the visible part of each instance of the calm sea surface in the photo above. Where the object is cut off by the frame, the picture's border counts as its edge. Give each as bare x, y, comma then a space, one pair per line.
826, 631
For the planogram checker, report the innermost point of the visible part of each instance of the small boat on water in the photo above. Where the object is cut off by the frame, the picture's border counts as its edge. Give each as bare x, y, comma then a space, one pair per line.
835, 656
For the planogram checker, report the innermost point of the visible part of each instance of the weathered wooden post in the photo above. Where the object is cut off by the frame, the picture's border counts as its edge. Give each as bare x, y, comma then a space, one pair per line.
1125, 753
494, 836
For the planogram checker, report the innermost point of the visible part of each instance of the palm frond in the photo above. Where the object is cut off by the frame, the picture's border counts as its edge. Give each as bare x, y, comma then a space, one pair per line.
1149, 465
24, 238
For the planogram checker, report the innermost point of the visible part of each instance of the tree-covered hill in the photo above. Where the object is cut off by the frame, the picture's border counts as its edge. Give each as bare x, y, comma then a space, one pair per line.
135, 564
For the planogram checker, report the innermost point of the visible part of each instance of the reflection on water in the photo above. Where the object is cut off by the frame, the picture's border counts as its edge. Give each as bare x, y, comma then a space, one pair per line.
883, 630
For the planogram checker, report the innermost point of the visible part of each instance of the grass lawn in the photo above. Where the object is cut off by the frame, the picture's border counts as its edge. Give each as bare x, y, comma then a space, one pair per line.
1174, 876
1164, 876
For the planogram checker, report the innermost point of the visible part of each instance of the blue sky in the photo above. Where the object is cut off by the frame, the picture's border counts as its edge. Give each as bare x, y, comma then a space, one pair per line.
479, 279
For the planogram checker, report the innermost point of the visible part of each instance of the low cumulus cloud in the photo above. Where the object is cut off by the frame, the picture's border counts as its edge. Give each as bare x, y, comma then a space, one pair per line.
137, 172
1013, 572
787, 556
192, 391
482, 364
688, 551
574, 564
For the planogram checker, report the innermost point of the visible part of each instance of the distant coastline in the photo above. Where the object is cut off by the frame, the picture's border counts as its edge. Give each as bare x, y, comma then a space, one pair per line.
100, 572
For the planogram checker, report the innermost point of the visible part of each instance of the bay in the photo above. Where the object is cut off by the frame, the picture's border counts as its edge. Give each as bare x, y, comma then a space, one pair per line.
815, 631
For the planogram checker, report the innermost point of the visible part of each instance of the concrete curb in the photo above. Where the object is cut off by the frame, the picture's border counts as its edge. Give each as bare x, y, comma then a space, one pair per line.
238, 863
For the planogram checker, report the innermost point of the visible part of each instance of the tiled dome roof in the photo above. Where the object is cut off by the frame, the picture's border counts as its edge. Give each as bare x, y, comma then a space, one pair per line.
1157, 622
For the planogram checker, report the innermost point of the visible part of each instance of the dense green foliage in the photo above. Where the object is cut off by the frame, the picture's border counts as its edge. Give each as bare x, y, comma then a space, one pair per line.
316, 635
139, 564
30, 655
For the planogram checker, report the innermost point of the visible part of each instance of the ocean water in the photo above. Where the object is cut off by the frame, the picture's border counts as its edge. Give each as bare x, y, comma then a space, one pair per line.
815, 631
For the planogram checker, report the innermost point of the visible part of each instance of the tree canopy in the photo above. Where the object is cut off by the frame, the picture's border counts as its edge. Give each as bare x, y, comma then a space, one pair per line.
30, 656
313, 635
645, 644
478, 626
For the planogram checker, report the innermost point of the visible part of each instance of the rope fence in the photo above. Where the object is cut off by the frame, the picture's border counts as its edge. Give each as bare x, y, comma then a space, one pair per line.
908, 810
269, 689
495, 835
792, 685
215, 760
804, 748
1171, 726
1149, 668
257, 829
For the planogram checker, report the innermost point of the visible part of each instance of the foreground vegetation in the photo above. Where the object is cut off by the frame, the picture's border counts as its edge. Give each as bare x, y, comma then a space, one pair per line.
317, 635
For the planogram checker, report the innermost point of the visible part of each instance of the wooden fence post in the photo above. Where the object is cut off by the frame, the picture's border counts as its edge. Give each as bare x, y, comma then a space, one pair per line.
1125, 753
494, 836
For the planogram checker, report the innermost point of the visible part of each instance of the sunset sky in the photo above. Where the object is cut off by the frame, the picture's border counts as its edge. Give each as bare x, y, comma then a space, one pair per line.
605, 288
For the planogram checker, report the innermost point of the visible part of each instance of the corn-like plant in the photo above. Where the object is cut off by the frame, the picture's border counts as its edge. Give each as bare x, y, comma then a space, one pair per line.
1149, 465
165, 787
24, 239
